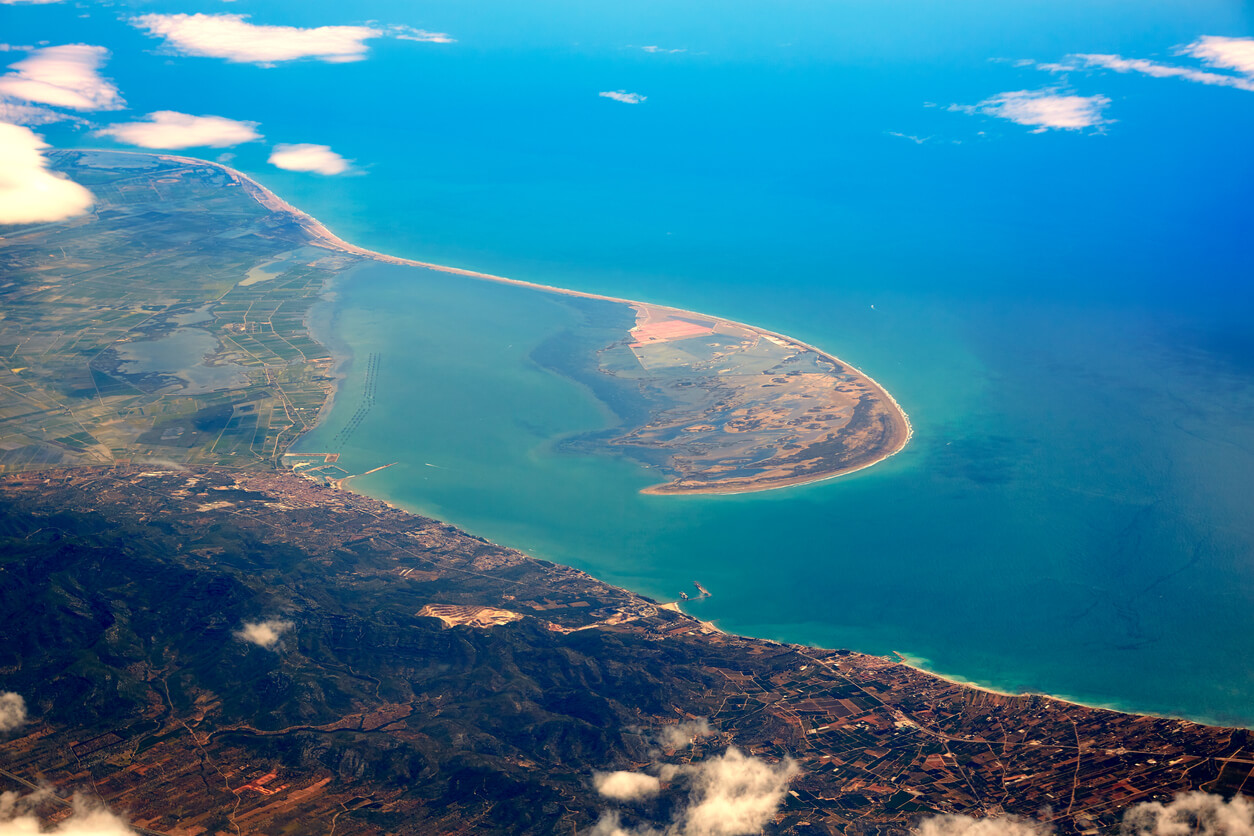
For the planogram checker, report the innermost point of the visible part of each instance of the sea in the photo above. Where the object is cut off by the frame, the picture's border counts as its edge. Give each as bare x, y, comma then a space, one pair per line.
1064, 314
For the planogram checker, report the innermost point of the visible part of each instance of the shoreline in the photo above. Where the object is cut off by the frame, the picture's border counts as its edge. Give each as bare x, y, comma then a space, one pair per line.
915, 664
328, 240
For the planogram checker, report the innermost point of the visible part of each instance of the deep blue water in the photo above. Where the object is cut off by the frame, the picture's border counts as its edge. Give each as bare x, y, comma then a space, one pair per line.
1065, 315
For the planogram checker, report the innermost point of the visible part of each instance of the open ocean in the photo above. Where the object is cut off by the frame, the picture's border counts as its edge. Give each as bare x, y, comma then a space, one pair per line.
1064, 315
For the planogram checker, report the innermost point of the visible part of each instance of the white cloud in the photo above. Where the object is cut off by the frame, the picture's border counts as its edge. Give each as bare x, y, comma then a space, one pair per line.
1043, 109
63, 76
1189, 814
731, 795
1227, 53
263, 633
12, 711
305, 157
29, 193
626, 786
87, 818
623, 96
660, 50
1193, 813
680, 735
26, 2
953, 825
611, 824
735, 794
232, 37
1120, 64
170, 129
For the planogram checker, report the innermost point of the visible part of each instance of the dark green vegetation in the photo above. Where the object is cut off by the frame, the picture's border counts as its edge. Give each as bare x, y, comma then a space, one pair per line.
169, 324
130, 588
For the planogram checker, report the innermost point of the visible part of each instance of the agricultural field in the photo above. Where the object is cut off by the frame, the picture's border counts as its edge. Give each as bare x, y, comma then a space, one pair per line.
167, 325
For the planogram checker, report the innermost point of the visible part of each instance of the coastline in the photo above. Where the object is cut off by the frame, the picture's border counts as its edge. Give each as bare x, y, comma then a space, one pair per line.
320, 323
917, 664
325, 238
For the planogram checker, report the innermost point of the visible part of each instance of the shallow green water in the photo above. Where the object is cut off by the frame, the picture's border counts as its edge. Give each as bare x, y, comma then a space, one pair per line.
182, 354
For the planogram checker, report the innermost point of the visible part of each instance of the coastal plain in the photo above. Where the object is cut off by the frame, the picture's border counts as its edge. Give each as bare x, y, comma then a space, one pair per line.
167, 324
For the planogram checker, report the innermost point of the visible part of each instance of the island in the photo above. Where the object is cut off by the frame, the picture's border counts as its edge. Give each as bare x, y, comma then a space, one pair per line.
171, 323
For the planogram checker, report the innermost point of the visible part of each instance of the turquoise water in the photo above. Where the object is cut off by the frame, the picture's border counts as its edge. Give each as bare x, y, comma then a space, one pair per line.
1067, 519
1064, 315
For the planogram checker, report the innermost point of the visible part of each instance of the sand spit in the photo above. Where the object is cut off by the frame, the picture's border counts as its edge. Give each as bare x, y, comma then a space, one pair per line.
325, 238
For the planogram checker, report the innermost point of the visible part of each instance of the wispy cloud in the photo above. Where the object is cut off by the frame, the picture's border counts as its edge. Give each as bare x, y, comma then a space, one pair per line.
1120, 64
233, 37
729, 795
623, 96
18, 817
319, 159
27, 2
917, 140
21, 113
681, 735
30, 193
263, 633
1194, 813
662, 50
63, 76
1212, 50
409, 33
170, 129
955, 825
12, 711
1042, 110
